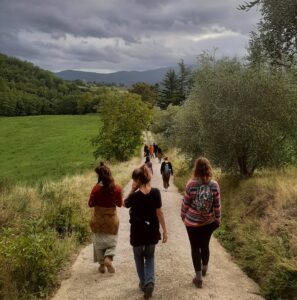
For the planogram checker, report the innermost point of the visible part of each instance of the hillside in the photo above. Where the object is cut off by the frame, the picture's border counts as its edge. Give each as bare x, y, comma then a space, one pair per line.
28, 90
122, 77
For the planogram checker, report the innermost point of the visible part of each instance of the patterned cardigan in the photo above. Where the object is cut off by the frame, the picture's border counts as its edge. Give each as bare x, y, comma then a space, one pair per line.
190, 214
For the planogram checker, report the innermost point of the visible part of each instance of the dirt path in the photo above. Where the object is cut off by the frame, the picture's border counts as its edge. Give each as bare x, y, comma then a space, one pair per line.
174, 271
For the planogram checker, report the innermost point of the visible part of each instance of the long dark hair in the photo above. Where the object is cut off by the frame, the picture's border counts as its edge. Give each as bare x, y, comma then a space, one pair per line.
105, 178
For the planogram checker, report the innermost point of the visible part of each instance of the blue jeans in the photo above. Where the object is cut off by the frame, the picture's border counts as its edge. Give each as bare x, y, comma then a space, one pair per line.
144, 257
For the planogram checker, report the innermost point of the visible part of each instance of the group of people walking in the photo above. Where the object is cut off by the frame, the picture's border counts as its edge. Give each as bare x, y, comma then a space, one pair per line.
200, 212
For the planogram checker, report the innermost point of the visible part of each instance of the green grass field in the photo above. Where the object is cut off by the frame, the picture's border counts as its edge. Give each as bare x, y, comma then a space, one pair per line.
38, 147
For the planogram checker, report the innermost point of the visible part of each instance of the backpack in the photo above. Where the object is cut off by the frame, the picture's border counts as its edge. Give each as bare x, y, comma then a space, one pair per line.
167, 170
204, 198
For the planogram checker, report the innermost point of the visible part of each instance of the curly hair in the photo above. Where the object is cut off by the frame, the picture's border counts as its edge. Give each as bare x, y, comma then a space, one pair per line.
202, 168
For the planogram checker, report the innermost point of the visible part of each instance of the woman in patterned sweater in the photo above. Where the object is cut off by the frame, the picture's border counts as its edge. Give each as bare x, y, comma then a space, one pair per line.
201, 214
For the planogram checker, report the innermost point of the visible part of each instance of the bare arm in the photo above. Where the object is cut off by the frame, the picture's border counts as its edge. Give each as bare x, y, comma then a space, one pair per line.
161, 219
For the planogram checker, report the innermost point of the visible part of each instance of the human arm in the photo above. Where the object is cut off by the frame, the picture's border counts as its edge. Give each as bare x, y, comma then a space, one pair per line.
129, 199
186, 201
162, 167
216, 202
170, 166
161, 219
91, 202
118, 197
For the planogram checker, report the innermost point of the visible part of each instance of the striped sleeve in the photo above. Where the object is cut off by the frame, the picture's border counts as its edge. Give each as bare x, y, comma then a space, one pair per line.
216, 202
186, 202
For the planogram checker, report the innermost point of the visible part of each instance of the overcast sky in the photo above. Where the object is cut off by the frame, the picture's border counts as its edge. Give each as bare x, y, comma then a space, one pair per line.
113, 35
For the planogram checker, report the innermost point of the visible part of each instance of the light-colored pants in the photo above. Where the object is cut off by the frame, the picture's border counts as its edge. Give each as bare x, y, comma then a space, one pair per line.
104, 245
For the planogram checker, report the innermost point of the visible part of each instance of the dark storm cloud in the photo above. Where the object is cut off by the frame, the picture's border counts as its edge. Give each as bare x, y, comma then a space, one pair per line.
117, 34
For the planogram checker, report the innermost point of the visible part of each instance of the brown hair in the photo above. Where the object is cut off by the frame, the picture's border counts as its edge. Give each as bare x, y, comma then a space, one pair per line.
105, 177
142, 174
202, 168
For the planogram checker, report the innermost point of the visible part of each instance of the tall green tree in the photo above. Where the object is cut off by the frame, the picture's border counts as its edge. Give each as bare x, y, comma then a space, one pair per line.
275, 38
242, 118
185, 80
170, 90
124, 116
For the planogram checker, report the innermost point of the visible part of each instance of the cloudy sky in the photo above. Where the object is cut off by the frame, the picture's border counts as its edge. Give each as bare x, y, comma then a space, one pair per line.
113, 35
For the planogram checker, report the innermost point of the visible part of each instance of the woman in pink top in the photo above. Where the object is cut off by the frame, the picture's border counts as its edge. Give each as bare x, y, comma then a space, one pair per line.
201, 214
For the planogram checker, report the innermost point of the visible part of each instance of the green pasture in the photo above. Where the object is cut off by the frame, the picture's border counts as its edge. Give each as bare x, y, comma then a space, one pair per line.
38, 147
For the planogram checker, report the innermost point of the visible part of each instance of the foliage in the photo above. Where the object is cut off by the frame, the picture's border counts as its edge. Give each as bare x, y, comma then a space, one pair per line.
37, 147
175, 86
164, 125
241, 118
29, 90
41, 226
259, 230
124, 117
275, 41
147, 92
258, 225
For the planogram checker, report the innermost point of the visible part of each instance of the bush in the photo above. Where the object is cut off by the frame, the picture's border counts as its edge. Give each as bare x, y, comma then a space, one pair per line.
124, 118
243, 119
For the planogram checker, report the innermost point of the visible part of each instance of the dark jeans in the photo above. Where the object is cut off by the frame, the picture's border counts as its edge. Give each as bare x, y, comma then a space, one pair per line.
166, 179
199, 239
144, 257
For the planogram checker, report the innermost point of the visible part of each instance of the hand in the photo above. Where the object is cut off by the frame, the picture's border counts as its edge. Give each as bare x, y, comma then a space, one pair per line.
134, 186
165, 237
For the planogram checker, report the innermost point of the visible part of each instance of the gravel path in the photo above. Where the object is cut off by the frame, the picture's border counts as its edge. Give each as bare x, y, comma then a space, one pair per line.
174, 270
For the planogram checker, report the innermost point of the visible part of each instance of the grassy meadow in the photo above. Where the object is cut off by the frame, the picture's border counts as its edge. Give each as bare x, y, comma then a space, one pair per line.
259, 225
44, 217
38, 147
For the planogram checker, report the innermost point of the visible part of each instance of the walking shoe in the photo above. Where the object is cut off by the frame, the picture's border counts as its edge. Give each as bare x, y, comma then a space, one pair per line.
148, 290
141, 287
101, 268
197, 282
108, 265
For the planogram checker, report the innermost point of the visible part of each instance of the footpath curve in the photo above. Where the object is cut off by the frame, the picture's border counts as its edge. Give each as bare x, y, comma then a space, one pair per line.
174, 270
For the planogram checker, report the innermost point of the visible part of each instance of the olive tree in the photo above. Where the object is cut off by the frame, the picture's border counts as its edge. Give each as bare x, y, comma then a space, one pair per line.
242, 118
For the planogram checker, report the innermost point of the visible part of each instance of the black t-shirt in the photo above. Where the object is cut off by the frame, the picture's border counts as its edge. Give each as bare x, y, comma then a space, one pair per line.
143, 217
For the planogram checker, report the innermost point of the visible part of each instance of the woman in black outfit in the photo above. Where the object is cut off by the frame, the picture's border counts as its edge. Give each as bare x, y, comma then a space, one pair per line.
145, 216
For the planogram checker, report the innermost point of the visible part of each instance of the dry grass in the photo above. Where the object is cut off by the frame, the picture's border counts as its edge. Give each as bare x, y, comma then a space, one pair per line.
51, 206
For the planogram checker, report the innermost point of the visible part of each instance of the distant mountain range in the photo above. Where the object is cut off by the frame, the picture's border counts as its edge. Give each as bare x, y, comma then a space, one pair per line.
123, 77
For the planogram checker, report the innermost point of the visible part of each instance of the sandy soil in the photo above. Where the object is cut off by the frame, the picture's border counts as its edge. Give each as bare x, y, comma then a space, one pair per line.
174, 270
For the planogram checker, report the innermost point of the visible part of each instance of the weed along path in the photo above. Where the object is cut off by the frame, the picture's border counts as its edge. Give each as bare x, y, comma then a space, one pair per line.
174, 270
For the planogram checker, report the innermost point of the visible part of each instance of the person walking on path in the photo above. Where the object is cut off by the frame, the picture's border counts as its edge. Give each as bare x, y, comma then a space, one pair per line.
149, 164
146, 150
166, 170
155, 149
159, 154
145, 216
201, 214
105, 196
151, 150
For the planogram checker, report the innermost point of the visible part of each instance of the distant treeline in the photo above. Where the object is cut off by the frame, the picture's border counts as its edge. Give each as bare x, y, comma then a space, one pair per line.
28, 90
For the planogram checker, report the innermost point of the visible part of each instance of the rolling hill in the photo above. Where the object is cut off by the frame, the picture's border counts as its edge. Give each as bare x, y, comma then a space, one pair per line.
123, 77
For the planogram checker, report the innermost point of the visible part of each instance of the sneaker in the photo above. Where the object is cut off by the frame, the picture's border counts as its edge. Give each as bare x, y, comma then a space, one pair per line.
108, 265
197, 282
148, 290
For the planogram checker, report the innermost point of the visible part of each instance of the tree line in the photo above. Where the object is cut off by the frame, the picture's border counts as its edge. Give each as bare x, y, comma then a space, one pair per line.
242, 113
